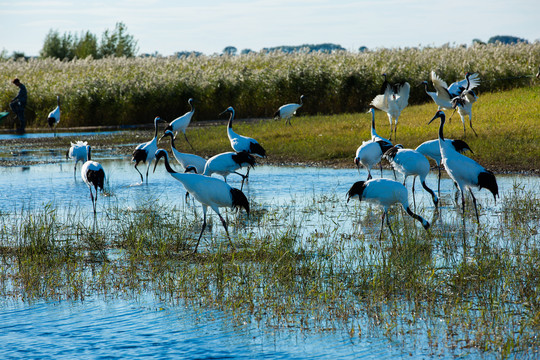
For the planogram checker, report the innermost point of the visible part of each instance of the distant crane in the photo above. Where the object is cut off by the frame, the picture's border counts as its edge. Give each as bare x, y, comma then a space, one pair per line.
209, 191
393, 102
465, 172
432, 150
384, 192
463, 102
287, 111
182, 122
93, 175
145, 152
410, 162
54, 116
80, 151
459, 90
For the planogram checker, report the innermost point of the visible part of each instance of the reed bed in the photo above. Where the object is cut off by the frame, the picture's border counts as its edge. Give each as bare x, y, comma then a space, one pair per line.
122, 91
313, 266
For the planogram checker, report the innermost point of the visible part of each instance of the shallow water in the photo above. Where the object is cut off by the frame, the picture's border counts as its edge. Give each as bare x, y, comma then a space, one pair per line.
144, 326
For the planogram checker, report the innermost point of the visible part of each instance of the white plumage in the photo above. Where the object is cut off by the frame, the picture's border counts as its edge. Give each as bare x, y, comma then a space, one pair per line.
54, 116
145, 152
393, 104
241, 143
410, 162
188, 161
431, 149
370, 152
227, 163
182, 122
79, 151
465, 172
93, 175
384, 192
459, 95
287, 111
209, 191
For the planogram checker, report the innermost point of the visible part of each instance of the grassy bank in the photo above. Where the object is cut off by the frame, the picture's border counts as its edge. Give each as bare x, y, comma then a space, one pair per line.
506, 122
133, 91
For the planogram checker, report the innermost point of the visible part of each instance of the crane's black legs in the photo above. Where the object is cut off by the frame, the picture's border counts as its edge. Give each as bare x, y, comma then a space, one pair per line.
202, 230
475, 208
185, 136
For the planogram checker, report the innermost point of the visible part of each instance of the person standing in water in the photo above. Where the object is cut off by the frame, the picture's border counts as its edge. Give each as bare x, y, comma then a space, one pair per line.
18, 104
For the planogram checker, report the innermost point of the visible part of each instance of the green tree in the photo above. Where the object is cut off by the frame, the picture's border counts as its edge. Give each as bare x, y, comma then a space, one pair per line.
230, 50
118, 42
86, 45
56, 46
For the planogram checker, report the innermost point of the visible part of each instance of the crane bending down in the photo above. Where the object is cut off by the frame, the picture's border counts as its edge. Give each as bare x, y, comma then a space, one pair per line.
145, 152
384, 192
227, 163
182, 122
188, 161
432, 150
465, 172
410, 162
393, 104
93, 175
80, 151
54, 116
287, 111
209, 191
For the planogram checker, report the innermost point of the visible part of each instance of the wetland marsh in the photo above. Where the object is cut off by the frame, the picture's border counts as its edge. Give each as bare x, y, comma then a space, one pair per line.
309, 277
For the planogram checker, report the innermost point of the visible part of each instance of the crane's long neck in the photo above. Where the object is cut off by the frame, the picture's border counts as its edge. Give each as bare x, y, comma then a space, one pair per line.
230, 131
155, 129
441, 131
373, 132
168, 167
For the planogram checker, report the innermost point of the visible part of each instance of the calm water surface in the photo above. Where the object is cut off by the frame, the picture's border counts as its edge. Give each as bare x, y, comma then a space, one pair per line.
144, 326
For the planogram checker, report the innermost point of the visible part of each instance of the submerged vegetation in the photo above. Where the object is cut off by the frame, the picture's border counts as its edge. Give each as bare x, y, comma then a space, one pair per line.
459, 292
128, 91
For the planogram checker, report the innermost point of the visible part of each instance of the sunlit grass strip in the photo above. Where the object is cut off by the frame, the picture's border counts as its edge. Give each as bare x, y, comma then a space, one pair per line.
122, 91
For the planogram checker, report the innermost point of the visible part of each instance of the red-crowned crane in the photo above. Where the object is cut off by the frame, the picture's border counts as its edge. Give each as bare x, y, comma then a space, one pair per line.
393, 104
432, 150
227, 163
54, 116
182, 122
209, 191
410, 162
145, 152
80, 151
93, 175
463, 102
287, 111
241, 143
191, 161
370, 152
384, 192
459, 90
465, 172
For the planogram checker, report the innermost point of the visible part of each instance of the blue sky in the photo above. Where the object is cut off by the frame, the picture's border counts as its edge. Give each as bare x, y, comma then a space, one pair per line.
208, 26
